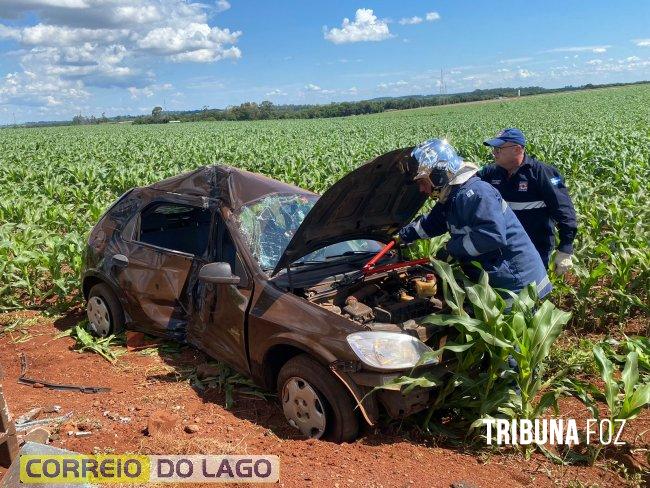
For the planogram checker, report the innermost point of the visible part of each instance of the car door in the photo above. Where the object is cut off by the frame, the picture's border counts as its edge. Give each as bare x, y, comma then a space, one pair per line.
218, 325
165, 243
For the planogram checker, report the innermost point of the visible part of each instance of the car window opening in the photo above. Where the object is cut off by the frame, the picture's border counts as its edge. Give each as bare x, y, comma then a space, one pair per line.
177, 227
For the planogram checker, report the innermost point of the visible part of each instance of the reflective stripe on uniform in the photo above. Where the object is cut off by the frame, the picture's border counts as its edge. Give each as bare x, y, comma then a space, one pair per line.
543, 284
469, 246
504, 206
420, 231
527, 205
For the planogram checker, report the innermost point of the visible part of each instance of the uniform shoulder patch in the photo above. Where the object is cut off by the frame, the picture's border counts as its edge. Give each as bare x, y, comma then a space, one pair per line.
556, 180
469, 193
523, 186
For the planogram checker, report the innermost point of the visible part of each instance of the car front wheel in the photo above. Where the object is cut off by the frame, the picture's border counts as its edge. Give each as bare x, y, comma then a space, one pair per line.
105, 314
315, 402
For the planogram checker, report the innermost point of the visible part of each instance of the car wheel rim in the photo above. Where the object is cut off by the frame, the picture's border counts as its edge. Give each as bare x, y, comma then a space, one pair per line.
98, 316
303, 407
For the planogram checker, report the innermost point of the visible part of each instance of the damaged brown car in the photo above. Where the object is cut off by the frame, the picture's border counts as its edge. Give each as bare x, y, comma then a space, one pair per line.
296, 291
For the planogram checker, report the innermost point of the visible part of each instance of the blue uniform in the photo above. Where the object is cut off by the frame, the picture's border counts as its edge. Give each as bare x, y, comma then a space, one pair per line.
538, 196
483, 228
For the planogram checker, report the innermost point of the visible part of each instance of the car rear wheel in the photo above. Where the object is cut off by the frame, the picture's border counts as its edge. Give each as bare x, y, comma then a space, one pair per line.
315, 402
105, 314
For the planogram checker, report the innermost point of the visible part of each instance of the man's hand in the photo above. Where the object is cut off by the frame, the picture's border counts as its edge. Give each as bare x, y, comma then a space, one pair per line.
562, 262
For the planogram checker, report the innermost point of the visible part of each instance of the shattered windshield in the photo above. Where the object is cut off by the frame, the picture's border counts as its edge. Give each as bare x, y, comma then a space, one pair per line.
269, 224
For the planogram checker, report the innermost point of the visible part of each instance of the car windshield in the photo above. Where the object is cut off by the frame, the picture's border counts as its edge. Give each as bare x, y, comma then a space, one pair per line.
269, 224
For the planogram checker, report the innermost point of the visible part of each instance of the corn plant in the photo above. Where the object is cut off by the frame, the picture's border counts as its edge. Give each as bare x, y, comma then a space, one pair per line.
228, 381
85, 341
625, 397
484, 384
56, 181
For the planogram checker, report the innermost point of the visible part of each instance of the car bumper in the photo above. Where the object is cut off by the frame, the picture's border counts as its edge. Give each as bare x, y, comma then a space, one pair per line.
394, 401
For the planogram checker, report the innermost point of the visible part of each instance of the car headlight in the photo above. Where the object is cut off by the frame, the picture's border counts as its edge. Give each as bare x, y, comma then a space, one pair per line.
388, 350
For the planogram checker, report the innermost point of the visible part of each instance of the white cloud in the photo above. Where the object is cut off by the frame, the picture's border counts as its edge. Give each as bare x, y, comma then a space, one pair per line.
392, 85
642, 42
170, 40
515, 60
139, 15
632, 59
365, 27
276, 93
31, 90
429, 17
222, 5
50, 35
524, 73
107, 43
316, 90
595, 61
411, 20
148, 91
578, 49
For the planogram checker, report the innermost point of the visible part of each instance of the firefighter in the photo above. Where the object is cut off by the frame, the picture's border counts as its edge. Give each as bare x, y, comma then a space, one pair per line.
482, 226
536, 192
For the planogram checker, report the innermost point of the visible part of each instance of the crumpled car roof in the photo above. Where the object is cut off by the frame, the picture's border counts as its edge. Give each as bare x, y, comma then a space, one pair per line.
236, 187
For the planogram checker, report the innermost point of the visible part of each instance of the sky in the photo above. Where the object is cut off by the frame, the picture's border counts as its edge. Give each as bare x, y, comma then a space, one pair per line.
59, 58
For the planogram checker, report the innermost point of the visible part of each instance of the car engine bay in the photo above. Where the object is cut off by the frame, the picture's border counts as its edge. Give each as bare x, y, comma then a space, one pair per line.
394, 301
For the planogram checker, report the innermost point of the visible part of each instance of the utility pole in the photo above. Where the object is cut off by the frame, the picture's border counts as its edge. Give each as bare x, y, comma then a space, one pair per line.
443, 90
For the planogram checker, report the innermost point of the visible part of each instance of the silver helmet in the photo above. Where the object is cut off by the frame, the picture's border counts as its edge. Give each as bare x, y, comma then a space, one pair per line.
437, 160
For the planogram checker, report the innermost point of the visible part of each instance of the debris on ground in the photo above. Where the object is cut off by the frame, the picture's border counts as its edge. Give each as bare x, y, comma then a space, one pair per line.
39, 435
137, 341
30, 415
11, 478
23, 379
80, 433
192, 428
46, 421
161, 422
208, 370
117, 417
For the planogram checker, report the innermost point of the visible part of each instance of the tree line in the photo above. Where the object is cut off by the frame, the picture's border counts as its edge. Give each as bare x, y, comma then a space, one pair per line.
267, 110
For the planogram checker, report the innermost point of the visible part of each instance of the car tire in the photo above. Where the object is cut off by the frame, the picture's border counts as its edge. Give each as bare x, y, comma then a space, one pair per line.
104, 311
315, 402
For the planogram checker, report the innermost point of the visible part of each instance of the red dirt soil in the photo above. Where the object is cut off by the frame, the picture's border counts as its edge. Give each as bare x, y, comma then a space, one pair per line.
142, 384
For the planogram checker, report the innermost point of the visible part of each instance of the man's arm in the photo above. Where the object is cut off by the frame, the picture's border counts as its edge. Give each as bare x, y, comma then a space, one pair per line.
557, 199
425, 226
485, 228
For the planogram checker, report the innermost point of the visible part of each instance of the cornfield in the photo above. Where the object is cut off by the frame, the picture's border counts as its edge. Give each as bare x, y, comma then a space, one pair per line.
56, 182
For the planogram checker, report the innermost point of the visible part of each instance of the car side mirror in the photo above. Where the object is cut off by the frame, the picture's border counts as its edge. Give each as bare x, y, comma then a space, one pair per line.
120, 260
218, 273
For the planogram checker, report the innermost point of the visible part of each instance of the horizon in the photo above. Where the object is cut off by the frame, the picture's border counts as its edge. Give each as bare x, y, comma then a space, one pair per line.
61, 58
568, 88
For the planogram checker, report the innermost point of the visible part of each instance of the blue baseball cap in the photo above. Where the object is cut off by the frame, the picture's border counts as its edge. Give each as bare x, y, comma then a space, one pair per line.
507, 135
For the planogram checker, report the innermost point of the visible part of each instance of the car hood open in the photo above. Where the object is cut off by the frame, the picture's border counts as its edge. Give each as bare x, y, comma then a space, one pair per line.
372, 202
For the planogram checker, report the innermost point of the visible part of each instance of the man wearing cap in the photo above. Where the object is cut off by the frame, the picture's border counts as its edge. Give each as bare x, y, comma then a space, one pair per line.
482, 226
537, 194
